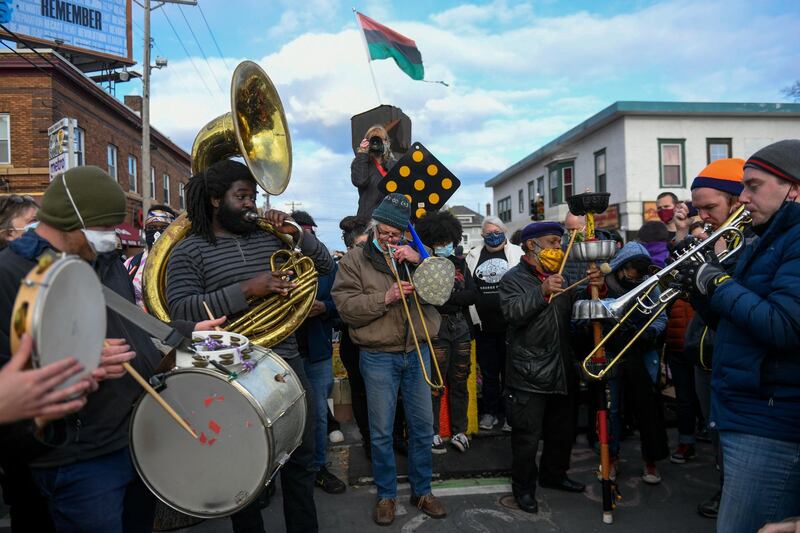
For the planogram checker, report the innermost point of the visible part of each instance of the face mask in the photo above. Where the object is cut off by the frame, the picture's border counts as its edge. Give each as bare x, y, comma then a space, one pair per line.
493, 240
550, 259
377, 245
666, 215
31, 226
151, 236
101, 241
444, 251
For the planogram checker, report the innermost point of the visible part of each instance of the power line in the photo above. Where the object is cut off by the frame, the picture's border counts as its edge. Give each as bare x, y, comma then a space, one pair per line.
199, 74
211, 32
197, 42
152, 40
34, 65
26, 45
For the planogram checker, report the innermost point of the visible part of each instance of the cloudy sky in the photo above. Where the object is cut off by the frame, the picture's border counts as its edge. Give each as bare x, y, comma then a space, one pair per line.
519, 74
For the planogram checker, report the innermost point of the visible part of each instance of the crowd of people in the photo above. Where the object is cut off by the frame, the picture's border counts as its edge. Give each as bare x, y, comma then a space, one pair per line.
727, 346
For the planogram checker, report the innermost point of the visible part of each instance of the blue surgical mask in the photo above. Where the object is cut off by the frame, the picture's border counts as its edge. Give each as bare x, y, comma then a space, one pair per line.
444, 251
32, 225
378, 245
494, 240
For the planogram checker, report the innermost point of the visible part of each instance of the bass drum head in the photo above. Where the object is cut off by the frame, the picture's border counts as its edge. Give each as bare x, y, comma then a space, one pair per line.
217, 474
70, 316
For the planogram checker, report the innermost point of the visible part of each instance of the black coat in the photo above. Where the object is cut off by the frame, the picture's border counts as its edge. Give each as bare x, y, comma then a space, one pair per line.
365, 175
539, 355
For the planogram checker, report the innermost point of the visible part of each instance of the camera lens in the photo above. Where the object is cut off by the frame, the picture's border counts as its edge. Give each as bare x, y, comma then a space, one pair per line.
376, 144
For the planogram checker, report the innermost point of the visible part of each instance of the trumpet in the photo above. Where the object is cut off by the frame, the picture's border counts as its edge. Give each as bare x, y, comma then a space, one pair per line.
393, 267
640, 299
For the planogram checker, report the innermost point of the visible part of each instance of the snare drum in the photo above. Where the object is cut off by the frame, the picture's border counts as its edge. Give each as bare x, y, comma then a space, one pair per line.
60, 304
248, 426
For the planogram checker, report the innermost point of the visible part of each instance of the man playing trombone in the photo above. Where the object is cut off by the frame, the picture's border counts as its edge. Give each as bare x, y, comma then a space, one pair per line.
370, 300
541, 379
755, 369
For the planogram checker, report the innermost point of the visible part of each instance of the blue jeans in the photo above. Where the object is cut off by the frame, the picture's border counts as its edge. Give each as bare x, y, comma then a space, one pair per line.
101, 494
762, 482
320, 375
384, 373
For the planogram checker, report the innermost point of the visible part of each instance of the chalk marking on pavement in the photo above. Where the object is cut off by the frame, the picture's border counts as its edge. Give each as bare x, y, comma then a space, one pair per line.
414, 523
460, 491
471, 518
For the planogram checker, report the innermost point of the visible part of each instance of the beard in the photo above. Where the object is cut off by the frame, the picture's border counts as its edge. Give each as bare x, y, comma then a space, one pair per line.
233, 220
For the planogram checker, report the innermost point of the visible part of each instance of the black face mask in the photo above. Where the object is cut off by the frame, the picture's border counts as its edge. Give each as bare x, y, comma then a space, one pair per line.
151, 236
233, 220
628, 283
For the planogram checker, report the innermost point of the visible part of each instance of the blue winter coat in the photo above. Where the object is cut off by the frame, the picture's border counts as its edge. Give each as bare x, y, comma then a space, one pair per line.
756, 367
314, 336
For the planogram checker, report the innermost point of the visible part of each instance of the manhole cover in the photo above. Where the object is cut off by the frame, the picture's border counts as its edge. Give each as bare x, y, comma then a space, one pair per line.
509, 502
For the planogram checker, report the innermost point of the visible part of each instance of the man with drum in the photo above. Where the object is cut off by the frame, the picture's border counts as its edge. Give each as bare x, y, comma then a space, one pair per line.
88, 480
223, 263
755, 378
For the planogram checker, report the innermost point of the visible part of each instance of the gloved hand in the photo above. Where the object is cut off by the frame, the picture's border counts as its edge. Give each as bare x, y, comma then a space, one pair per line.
708, 277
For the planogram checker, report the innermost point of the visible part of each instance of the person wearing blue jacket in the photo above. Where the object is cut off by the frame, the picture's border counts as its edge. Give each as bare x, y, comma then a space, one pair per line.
755, 376
315, 344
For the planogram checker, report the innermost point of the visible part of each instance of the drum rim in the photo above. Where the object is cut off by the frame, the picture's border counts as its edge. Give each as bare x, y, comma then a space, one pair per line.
250, 398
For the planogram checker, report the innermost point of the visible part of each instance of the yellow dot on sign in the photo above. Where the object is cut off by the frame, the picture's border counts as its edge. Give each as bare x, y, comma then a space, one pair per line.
391, 186
420, 213
433, 170
447, 183
433, 198
419, 185
408, 197
405, 171
417, 156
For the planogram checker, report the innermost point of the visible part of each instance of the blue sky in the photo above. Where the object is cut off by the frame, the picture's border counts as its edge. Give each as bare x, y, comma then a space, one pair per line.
520, 73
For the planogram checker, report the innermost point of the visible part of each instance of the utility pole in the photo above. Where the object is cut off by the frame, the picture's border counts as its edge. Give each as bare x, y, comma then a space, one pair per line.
293, 204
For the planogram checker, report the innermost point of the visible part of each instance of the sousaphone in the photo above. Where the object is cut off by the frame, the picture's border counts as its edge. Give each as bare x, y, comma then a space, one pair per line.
255, 129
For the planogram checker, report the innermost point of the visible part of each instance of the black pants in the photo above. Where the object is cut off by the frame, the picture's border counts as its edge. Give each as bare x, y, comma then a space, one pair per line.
27, 507
686, 402
490, 351
297, 481
452, 349
533, 417
645, 402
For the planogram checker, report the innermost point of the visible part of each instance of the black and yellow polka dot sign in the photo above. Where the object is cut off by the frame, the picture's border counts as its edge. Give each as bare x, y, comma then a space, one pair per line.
422, 179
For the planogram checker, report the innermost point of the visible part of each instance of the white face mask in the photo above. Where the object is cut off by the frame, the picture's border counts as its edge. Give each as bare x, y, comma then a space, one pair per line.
101, 241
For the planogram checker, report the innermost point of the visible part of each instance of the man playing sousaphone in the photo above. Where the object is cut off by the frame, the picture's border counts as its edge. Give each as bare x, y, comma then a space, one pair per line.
368, 299
85, 475
225, 262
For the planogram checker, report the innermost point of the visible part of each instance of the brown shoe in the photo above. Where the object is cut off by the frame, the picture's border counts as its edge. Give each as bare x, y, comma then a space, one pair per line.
430, 505
384, 512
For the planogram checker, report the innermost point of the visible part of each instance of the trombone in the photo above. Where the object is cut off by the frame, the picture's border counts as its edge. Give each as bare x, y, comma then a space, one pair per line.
640, 299
393, 267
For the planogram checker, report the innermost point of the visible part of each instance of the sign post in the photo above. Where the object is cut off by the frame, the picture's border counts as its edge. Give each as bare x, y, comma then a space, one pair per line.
62, 146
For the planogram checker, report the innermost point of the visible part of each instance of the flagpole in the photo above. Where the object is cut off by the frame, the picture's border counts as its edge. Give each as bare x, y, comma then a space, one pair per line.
369, 59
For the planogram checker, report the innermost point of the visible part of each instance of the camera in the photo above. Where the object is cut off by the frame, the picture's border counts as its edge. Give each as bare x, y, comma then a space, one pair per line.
376, 144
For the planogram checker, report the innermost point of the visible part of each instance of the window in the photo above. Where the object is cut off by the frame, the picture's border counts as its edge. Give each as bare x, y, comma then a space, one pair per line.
78, 146
671, 161
561, 181
181, 197
600, 171
152, 183
540, 186
504, 209
132, 171
521, 198
112, 161
5, 139
718, 149
531, 197
464, 239
165, 188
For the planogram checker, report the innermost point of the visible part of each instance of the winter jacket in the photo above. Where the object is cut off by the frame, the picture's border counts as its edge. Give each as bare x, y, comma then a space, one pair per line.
513, 256
756, 367
315, 335
359, 292
538, 351
464, 294
680, 314
366, 176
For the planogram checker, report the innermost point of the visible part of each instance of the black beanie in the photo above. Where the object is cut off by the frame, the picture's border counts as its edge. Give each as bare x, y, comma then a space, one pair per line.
96, 195
781, 159
653, 231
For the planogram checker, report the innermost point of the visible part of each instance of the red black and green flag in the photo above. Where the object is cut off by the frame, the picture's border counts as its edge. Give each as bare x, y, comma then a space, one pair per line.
385, 43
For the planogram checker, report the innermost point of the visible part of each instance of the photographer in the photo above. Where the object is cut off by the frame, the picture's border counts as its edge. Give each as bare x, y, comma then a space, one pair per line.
368, 168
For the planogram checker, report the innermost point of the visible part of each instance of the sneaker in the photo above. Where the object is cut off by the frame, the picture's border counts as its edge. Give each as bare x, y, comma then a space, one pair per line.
328, 482
710, 507
682, 454
506, 427
487, 422
702, 434
336, 436
460, 441
438, 446
650, 474
430, 505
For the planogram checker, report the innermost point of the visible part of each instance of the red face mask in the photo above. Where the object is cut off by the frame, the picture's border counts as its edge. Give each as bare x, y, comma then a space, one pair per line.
666, 215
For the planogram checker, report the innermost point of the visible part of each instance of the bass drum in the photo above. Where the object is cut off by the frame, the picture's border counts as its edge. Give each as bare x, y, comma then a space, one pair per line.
248, 426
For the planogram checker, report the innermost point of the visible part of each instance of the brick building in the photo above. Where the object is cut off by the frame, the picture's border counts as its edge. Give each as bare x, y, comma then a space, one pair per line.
35, 93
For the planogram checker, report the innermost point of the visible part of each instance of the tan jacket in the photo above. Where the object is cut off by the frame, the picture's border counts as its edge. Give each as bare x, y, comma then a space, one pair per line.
359, 292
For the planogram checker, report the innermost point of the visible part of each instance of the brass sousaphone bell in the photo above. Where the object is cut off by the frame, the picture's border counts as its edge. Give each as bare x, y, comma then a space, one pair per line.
255, 129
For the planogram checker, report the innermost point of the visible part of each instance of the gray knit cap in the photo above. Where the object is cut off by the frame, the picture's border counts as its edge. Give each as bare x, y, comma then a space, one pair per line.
781, 159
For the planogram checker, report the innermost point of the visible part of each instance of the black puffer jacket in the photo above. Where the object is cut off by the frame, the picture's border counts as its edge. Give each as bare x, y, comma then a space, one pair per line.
366, 176
539, 355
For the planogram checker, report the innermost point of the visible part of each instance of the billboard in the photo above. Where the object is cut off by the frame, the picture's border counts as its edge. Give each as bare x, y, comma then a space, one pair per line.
99, 28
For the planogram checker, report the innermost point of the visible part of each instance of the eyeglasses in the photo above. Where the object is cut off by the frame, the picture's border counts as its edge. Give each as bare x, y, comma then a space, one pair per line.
382, 234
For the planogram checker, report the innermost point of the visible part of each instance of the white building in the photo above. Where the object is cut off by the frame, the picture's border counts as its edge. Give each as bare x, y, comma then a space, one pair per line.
471, 223
635, 150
